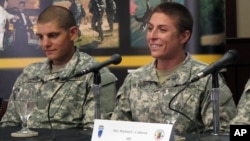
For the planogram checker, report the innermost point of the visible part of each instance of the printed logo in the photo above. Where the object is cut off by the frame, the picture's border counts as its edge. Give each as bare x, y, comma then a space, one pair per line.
100, 130
159, 135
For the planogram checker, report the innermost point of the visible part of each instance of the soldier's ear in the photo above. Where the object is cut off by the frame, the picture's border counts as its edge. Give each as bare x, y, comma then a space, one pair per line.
73, 32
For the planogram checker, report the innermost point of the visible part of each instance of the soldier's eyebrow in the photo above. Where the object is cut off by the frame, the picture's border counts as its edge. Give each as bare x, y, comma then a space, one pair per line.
49, 35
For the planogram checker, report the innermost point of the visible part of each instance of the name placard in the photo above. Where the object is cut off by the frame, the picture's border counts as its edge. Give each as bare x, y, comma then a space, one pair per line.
111, 130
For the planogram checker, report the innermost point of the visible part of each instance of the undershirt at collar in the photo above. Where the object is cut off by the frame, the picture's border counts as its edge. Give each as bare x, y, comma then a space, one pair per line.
163, 74
57, 68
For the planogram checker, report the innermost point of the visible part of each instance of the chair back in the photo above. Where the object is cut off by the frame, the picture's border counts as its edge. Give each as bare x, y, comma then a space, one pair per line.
3, 106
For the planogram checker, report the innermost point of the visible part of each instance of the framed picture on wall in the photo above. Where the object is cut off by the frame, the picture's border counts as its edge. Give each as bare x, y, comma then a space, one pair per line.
97, 21
19, 31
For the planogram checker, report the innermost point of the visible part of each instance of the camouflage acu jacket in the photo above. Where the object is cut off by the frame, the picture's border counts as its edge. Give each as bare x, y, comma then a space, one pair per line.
72, 98
243, 109
142, 98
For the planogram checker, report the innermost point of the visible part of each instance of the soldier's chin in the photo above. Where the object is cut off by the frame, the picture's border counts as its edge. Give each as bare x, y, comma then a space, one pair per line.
51, 57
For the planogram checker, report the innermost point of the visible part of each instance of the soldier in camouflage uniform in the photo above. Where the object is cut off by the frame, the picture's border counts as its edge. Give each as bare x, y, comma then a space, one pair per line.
78, 12
110, 11
147, 91
54, 79
243, 115
96, 8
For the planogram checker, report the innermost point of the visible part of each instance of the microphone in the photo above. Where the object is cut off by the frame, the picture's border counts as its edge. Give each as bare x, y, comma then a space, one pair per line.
228, 58
115, 59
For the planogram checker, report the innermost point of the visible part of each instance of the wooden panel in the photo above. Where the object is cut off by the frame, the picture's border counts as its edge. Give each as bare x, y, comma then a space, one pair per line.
231, 19
238, 73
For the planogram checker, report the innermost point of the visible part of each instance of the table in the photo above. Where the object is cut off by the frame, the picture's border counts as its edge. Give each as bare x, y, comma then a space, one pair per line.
84, 135
46, 135
207, 137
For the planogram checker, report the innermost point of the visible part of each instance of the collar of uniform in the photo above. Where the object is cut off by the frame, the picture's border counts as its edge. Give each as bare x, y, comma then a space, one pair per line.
179, 77
182, 74
69, 68
44, 70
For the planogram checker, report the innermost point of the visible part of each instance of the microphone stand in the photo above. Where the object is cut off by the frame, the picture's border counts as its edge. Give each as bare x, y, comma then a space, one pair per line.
96, 90
215, 97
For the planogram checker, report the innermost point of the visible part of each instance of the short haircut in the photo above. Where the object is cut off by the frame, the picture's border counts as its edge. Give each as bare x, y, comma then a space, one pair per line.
2, 2
22, 2
61, 15
184, 17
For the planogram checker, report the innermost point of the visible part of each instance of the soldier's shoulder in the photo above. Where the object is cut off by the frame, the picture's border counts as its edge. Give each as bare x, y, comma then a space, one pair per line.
84, 57
140, 72
197, 64
35, 66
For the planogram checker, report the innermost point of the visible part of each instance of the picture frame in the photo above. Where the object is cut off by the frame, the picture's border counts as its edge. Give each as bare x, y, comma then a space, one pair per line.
88, 39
